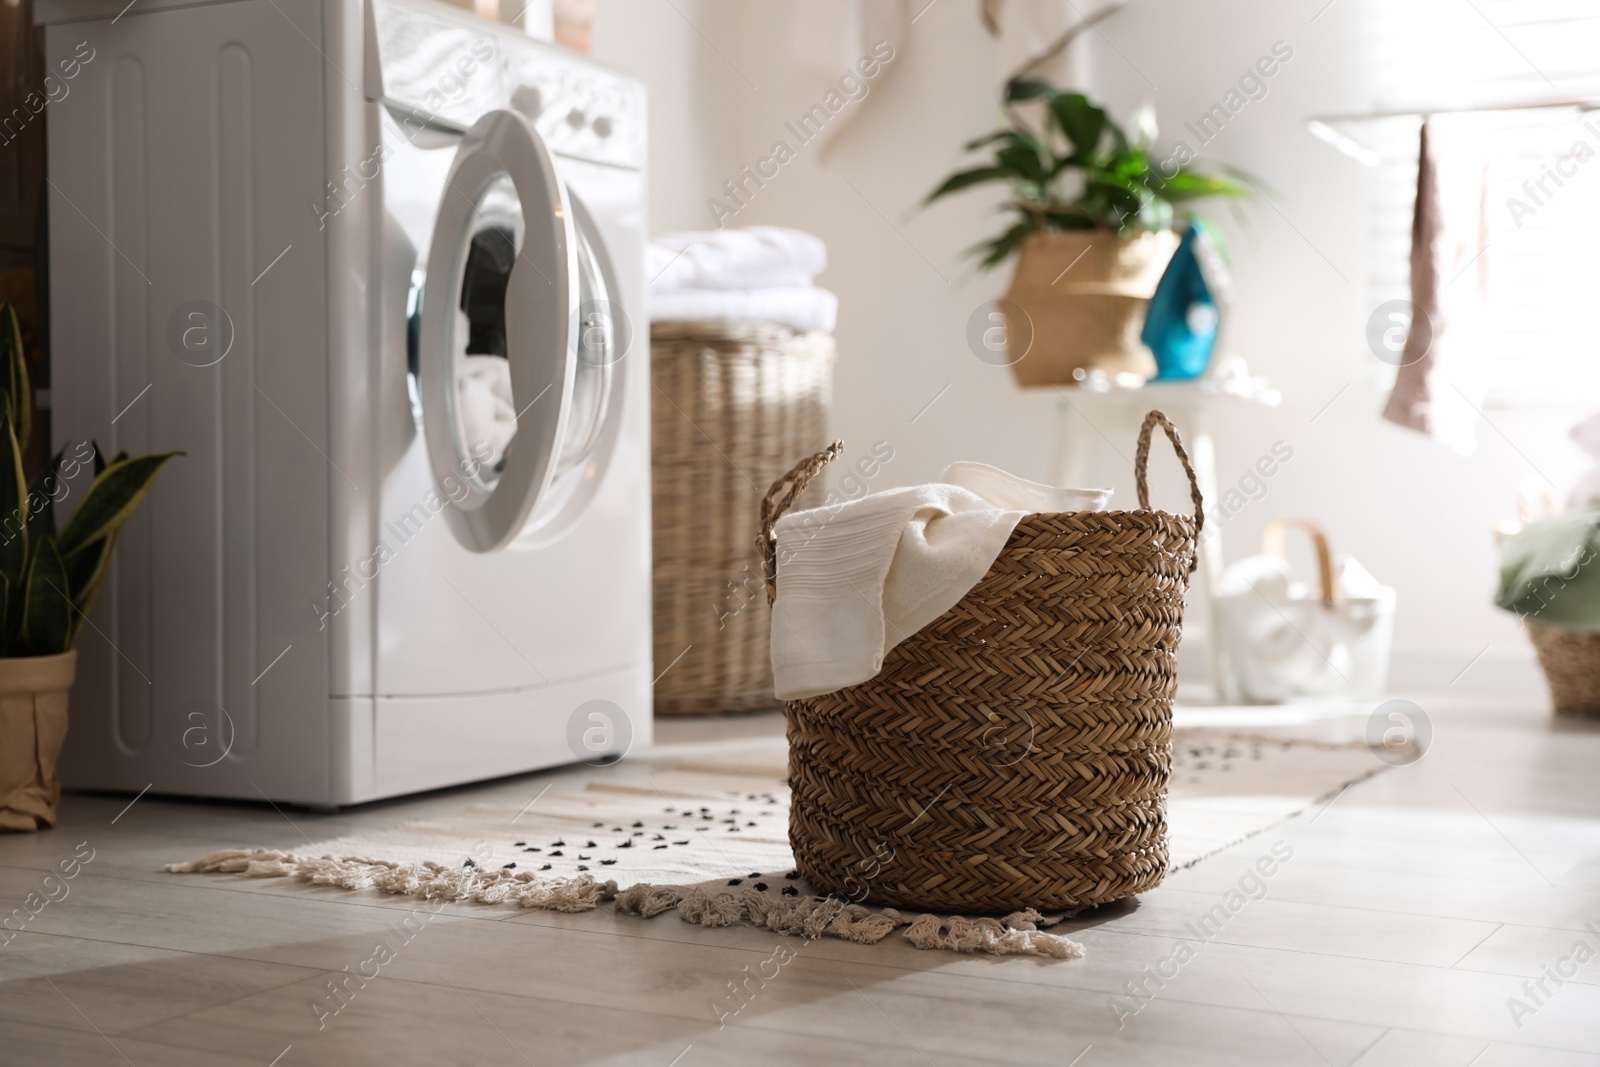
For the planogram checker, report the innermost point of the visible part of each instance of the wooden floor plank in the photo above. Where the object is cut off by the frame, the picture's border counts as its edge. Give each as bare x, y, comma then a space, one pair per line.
1414, 910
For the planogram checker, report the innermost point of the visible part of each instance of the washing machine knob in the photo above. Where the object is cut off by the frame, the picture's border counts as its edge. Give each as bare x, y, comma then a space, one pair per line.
601, 126
576, 118
528, 100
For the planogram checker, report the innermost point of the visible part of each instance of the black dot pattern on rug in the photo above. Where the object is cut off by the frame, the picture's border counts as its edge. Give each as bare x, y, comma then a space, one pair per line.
733, 815
1199, 761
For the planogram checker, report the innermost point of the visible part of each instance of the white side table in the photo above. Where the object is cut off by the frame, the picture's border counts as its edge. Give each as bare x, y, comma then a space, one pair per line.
1115, 415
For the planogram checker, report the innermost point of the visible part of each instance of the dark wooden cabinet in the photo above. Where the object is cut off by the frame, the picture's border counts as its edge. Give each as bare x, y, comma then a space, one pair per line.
24, 108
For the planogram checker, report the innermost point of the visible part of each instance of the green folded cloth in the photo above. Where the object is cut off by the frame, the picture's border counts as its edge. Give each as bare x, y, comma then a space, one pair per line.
1549, 573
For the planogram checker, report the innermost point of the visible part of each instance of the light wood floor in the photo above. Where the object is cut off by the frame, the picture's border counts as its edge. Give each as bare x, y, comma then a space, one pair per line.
1411, 910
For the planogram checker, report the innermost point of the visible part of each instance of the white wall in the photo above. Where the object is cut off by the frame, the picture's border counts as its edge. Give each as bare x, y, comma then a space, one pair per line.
690, 90
1418, 516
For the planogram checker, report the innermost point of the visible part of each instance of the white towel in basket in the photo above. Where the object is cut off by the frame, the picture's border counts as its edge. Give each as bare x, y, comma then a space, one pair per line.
751, 257
803, 309
856, 579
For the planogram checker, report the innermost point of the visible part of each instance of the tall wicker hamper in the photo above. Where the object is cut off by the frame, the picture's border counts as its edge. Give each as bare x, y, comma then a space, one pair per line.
734, 404
1014, 752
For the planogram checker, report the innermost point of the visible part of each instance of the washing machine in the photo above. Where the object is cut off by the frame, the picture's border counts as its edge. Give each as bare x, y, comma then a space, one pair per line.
376, 269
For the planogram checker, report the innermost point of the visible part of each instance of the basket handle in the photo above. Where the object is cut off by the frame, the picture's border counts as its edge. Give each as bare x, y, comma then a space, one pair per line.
1141, 460
1272, 543
779, 499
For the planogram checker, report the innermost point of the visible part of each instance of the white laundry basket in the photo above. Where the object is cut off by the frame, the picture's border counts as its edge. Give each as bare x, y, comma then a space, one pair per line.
1282, 640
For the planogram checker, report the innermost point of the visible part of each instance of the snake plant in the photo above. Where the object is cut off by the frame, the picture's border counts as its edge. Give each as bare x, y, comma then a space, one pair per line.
49, 576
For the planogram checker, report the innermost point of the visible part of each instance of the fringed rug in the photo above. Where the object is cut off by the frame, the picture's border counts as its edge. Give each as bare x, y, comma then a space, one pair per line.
709, 840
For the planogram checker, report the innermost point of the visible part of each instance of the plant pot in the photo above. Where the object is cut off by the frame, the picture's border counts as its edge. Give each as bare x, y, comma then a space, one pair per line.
33, 724
1084, 295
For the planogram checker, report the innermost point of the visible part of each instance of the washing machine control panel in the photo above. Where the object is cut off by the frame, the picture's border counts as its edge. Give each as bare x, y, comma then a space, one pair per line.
579, 110
455, 67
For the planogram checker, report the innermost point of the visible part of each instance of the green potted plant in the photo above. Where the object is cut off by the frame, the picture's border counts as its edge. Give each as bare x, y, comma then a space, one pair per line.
48, 580
1093, 229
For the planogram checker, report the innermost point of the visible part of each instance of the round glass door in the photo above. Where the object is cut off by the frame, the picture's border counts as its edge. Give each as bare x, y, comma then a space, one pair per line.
599, 339
504, 403
594, 341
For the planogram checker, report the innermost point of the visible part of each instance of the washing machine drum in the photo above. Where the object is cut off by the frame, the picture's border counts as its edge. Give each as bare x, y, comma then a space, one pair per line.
518, 338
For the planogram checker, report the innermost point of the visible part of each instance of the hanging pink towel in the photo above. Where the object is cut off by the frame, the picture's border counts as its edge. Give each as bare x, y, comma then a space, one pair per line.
1439, 388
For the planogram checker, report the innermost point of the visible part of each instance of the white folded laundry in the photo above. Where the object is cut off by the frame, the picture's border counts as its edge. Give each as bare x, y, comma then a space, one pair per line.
485, 407
1006, 490
856, 579
755, 257
800, 309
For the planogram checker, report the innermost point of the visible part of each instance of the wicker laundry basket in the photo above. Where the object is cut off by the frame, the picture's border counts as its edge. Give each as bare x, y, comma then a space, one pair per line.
1014, 752
734, 404
1571, 662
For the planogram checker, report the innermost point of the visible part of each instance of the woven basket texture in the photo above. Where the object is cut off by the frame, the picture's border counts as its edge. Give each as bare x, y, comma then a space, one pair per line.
734, 404
1015, 752
1571, 662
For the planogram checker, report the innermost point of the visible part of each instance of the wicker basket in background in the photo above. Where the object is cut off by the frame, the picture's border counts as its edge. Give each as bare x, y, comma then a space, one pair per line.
1571, 662
734, 403
1014, 752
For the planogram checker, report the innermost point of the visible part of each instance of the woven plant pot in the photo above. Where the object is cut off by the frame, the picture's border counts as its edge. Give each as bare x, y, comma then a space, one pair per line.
1571, 662
734, 404
1084, 294
33, 724
1015, 752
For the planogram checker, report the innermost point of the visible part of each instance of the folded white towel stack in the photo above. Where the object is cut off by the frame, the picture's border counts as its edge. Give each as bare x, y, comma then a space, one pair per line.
760, 273
856, 579
799, 309
756, 257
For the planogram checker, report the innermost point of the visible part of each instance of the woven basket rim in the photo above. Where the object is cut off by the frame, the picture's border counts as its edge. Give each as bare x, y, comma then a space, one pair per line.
1109, 513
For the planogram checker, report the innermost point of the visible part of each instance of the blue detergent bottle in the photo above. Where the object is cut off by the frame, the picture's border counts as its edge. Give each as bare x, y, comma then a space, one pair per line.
1180, 325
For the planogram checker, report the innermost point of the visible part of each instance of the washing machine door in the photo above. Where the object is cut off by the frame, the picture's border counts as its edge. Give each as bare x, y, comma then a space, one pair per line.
496, 360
